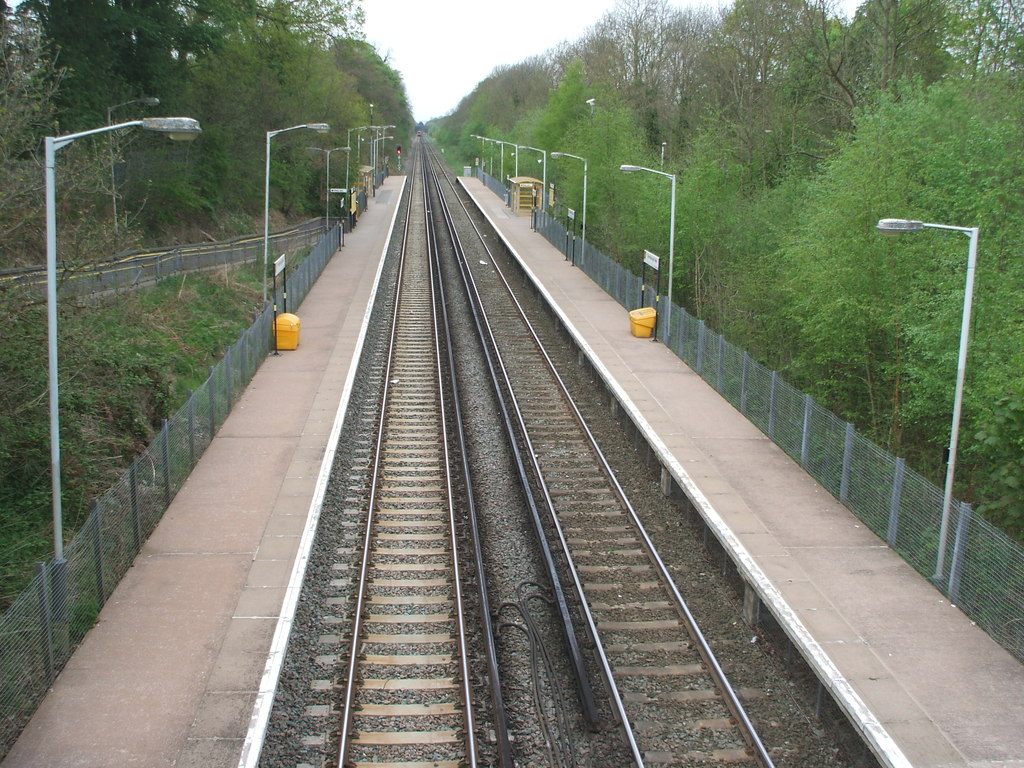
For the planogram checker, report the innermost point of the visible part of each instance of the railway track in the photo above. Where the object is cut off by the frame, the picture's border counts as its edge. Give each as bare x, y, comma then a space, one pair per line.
407, 698
661, 673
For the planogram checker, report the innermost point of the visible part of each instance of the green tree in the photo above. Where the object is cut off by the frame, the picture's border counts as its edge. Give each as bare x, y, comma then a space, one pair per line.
877, 321
566, 105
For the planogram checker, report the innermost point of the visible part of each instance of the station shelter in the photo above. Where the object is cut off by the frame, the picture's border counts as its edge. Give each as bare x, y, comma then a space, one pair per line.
527, 194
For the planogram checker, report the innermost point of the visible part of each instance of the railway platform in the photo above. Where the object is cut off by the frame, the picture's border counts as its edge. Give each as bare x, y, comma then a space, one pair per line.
170, 673
929, 688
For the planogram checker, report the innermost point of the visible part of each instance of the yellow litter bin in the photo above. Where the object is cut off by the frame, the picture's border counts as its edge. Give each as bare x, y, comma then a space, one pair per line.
286, 329
641, 322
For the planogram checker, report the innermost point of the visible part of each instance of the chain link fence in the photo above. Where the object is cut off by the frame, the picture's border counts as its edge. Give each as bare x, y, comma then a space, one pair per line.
983, 572
42, 627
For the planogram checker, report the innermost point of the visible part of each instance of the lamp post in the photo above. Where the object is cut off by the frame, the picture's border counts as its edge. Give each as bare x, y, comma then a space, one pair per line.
544, 175
179, 128
381, 131
898, 226
490, 154
482, 140
348, 192
349, 140
671, 236
151, 101
327, 199
321, 128
503, 143
348, 166
584, 223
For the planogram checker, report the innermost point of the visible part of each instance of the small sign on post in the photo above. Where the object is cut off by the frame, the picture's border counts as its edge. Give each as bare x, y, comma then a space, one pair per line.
571, 214
653, 261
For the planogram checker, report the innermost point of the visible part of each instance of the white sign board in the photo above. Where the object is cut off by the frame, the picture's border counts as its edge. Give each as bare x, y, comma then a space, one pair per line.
651, 260
338, 190
279, 263
572, 214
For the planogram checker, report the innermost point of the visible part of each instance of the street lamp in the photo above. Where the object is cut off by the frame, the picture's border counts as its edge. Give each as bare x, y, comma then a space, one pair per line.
178, 128
482, 140
503, 143
899, 226
319, 127
359, 156
380, 131
327, 199
490, 154
671, 236
544, 178
151, 101
584, 224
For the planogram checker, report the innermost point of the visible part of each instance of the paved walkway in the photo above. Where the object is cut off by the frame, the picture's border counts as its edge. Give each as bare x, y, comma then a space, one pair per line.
931, 688
169, 674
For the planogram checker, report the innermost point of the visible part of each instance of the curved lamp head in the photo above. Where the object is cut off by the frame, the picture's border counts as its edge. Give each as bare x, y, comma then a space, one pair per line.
898, 226
177, 128
319, 127
630, 168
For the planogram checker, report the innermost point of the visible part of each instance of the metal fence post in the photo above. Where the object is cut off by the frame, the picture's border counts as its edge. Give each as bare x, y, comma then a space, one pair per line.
721, 363
45, 621
844, 482
133, 493
963, 526
744, 382
683, 330
701, 332
165, 441
894, 502
97, 551
230, 383
211, 393
805, 432
243, 365
191, 428
771, 404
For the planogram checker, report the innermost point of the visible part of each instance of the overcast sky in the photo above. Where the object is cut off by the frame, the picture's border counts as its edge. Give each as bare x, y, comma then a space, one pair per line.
443, 48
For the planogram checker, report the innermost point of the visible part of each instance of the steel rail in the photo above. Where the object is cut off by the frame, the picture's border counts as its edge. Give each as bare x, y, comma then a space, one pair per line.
364, 567
731, 699
443, 326
522, 458
385, 433
502, 734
